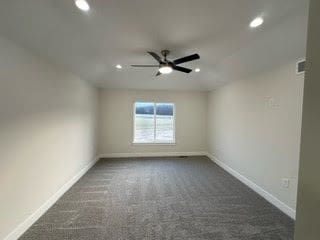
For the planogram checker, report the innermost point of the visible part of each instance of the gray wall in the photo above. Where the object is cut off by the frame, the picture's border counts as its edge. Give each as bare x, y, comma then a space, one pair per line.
308, 207
254, 127
47, 132
116, 120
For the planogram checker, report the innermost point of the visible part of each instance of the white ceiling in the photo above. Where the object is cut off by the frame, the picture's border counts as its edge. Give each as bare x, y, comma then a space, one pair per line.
121, 31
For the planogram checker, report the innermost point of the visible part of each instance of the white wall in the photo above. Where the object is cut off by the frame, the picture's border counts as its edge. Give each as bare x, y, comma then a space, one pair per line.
116, 120
254, 128
47, 132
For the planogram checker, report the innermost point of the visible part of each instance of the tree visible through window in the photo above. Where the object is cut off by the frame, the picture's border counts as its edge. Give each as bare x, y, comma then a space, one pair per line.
154, 122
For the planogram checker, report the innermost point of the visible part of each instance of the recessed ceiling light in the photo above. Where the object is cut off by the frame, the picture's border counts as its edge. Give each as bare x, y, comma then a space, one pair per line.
256, 22
119, 66
82, 5
197, 70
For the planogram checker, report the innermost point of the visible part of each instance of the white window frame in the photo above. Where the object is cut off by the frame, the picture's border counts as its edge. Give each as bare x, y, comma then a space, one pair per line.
154, 142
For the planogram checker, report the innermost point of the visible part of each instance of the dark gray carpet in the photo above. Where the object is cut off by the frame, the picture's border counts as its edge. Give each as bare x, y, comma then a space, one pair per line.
160, 198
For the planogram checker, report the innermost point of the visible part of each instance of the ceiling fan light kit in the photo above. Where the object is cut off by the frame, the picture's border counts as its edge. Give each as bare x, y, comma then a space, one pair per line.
165, 66
165, 69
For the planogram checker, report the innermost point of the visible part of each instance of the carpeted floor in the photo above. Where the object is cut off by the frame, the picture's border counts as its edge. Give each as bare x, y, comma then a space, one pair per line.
160, 198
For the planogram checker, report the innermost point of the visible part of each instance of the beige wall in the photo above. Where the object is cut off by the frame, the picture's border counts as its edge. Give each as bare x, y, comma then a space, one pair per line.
116, 120
308, 207
47, 132
254, 128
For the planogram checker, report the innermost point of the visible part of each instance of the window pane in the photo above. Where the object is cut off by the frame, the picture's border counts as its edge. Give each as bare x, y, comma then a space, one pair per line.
144, 122
164, 122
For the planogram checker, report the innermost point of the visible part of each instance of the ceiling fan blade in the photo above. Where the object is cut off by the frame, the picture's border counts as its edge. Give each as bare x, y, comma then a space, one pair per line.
155, 56
181, 69
145, 66
158, 73
186, 59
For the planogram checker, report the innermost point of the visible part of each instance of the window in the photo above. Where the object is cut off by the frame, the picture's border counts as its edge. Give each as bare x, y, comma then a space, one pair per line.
154, 122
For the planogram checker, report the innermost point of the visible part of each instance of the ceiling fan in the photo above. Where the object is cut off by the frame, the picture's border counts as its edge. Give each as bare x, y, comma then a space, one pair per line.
165, 66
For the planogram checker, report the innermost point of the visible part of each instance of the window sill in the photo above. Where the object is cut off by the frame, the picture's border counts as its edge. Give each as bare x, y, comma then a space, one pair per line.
155, 143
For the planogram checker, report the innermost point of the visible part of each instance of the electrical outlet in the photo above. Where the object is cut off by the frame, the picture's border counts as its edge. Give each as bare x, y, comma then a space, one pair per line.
285, 183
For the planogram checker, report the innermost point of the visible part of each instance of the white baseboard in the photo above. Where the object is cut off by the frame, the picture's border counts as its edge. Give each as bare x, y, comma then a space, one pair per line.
151, 154
263, 193
27, 223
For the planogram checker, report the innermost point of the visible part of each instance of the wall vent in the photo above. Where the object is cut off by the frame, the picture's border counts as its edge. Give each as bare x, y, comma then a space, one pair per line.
301, 65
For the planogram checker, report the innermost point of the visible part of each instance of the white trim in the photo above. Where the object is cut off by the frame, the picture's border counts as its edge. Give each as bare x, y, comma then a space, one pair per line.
151, 154
155, 143
263, 193
28, 222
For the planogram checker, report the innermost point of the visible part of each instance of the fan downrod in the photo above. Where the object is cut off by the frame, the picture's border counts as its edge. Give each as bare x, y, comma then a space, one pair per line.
165, 53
